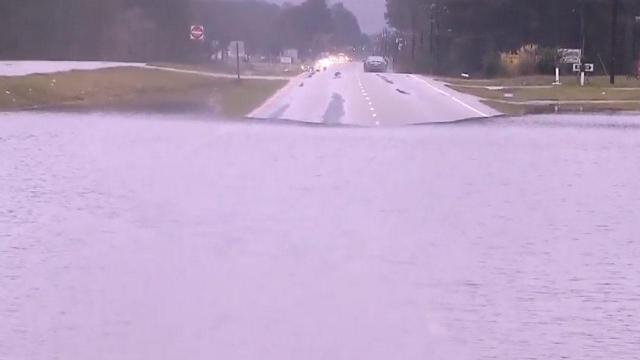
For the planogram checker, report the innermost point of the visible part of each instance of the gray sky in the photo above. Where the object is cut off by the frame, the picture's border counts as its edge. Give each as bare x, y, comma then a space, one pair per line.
370, 13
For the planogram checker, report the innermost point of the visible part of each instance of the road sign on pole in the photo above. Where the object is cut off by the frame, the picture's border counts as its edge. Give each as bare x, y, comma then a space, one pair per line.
197, 32
583, 69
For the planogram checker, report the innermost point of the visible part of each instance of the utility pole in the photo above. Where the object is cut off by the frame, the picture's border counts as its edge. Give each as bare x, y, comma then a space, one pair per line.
433, 36
385, 43
413, 38
614, 38
583, 34
636, 50
238, 58
431, 26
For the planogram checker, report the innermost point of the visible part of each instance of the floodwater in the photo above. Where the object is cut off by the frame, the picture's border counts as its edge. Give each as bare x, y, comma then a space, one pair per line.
164, 237
21, 68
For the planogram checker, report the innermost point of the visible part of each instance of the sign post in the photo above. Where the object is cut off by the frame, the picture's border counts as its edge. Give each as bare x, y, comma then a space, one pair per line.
583, 69
238, 58
614, 38
567, 56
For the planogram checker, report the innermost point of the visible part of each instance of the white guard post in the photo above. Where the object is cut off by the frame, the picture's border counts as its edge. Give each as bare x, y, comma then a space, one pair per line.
557, 82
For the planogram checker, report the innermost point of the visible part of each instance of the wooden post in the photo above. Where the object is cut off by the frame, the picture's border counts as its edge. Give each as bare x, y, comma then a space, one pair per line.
238, 58
614, 36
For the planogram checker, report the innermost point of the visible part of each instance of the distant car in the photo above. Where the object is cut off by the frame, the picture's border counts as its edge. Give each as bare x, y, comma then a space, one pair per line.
323, 64
375, 64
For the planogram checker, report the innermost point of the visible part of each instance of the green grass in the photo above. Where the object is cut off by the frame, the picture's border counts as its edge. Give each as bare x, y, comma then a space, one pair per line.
556, 93
514, 96
523, 109
540, 80
515, 81
239, 99
510, 109
131, 88
259, 69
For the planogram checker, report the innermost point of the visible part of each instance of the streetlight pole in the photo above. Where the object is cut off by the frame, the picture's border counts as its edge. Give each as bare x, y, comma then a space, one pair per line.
583, 34
636, 50
431, 46
434, 27
614, 37
238, 59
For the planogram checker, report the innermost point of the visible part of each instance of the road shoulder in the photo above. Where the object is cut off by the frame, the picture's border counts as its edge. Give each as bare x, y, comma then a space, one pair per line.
468, 100
520, 96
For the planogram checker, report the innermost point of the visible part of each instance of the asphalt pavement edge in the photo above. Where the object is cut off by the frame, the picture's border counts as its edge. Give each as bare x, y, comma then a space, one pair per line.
259, 112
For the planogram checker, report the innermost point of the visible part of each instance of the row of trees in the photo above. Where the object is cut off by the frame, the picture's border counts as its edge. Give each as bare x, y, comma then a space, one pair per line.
92, 29
146, 30
461, 33
311, 27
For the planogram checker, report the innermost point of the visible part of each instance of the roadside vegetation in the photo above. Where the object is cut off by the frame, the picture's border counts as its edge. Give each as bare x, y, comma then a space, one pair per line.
535, 94
158, 31
506, 52
542, 80
134, 89
486, 38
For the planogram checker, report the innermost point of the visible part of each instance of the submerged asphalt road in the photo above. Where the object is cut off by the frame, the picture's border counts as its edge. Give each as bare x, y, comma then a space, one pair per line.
345, 94
166, 237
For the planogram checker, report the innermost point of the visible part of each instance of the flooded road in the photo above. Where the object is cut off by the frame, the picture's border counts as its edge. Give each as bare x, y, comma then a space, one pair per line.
165, 237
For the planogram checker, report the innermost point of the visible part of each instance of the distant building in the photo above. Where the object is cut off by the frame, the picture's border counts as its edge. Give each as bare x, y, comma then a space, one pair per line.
231, 50
292, 54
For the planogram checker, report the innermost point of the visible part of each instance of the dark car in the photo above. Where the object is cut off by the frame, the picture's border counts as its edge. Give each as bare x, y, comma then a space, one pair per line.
375, 64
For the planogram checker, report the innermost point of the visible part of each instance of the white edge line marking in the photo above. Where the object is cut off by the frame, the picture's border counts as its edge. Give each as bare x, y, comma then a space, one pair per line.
220, 75
451, 96
275, 97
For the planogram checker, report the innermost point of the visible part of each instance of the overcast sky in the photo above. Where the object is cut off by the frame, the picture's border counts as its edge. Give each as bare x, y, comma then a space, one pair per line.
370, 13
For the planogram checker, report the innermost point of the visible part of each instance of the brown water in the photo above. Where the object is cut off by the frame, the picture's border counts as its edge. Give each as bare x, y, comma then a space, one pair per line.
159, 237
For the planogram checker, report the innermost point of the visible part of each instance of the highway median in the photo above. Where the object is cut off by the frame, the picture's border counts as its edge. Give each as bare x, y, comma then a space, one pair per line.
135, 89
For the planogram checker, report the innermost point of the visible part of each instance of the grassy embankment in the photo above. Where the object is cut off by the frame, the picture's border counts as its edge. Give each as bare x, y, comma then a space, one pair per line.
247, 69
134, 89
536, 94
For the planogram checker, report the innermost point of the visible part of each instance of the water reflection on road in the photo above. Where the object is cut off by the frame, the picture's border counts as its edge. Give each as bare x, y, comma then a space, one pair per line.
148, 237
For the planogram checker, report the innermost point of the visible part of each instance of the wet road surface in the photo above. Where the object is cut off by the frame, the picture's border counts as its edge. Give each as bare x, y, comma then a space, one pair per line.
345, 94
160, 237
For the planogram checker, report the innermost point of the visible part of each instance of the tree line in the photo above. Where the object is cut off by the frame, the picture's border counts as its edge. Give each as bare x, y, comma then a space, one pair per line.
465, 34
310, 27
158, 30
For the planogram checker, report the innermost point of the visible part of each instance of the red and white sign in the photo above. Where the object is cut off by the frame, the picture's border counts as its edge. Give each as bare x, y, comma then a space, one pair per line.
197, 32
